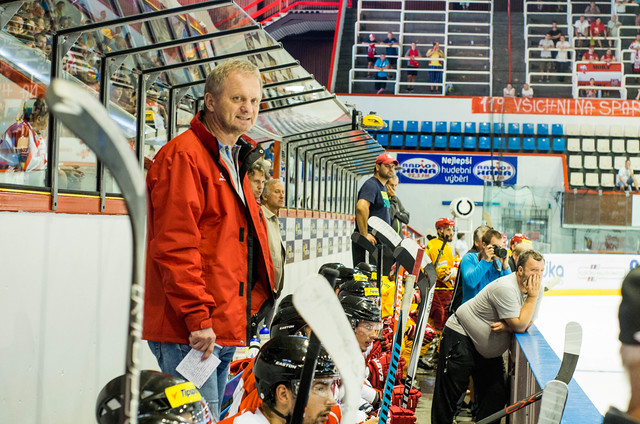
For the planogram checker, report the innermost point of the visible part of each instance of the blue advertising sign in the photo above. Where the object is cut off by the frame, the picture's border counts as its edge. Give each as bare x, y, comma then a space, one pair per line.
456, 169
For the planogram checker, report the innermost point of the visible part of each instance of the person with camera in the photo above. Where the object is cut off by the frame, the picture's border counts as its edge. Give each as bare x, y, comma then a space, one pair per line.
480, 269
479, 333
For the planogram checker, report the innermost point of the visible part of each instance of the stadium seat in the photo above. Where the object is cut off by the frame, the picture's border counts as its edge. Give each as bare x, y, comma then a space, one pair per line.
616, 131
630, 131
441, 126
484, 128
426, 127
469, 127
635, 164
397, 126
556, 129
411, 140
455, 142
607, 180
575, 162
618, 162
396, 140
617, 146
484, 143
588, 145
440, 142
603, 145
558, 144
543, 129
470, 142
544, 144
513, 128
602, 131
426, 141
592, 180
590, 162
572, 129
513, 143
605, 163
386, 128
528, 129
633, 147
499, 143
412, 126
498, 128
576, 179
587, 129
383, 139
573, 145
529, 143
455, 127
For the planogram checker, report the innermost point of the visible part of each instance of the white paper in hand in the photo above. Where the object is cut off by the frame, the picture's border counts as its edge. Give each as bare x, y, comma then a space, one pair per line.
194, 369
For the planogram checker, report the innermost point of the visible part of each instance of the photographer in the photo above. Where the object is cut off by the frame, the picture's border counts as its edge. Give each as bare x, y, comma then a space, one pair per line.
480, 269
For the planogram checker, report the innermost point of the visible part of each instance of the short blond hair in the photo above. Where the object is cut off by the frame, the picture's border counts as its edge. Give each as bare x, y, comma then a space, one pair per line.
217, 77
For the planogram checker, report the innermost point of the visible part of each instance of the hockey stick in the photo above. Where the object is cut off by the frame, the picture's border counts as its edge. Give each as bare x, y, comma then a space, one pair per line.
384, 233
572, 344
554, 397
397, 345
83, 115
318, 305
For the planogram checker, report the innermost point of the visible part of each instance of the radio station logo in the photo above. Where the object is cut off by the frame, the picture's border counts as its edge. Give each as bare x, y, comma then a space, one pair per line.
497, 170
420, 168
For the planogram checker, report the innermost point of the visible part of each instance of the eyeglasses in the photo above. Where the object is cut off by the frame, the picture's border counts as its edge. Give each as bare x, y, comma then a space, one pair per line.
323, 387
371, 326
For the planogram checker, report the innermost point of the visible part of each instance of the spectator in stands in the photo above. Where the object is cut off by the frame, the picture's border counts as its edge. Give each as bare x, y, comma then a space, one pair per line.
635, 54
562, 58
613, 28
590, 56
591, 10
591, 91
461, 245
527, 91
509, 91
608, 57
597, 29
59, 11
626, 177
581, 30
621, 6
412, 54
464, 5
436, 64
392, 52
270, 152
555, 34
41, 43
371, 53
546, 45
381, 65
16, 25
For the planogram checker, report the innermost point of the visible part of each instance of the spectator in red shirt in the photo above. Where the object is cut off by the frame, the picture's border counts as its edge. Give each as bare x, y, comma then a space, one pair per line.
598, 29
608, 57
590, 56
371, 52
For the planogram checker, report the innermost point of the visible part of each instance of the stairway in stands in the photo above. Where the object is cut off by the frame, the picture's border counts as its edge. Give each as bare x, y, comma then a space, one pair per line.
501, 51
344, 58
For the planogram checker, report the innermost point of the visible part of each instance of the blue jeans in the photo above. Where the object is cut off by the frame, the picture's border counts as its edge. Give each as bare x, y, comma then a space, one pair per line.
169, 356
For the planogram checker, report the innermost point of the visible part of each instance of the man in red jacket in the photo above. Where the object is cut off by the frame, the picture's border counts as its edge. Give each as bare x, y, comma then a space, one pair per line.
209, 274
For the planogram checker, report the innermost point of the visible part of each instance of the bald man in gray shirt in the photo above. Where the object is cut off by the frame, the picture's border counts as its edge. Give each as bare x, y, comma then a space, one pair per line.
477, 335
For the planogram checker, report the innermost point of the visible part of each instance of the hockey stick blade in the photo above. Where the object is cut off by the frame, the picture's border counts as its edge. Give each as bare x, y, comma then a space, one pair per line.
572, 346
550, 284
362, 241
83, 115
554, 398
318, 305
384, 232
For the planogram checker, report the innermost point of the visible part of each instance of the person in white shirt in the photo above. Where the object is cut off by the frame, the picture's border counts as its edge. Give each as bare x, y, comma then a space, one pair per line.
626, 177
562, 58
581, 30
278, 370
527, 92
635, 54
546, 44
461, 245
613, 27
509, 91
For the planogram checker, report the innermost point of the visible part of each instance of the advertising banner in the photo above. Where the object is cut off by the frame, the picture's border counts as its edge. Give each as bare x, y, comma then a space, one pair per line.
456, 169
575, 107
604, 74
588, 271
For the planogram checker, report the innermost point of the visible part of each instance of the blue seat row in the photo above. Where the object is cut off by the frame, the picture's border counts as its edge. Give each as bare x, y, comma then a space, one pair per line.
457, 127
425, 141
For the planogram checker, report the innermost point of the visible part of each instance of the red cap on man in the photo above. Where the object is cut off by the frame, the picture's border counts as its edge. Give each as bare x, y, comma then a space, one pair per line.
386, 158
518, 238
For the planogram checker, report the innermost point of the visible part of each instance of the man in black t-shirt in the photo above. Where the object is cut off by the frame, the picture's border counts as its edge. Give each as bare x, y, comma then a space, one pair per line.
373, 201
555, 34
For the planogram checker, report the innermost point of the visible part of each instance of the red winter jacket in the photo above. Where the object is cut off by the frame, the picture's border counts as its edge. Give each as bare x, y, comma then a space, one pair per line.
198, 235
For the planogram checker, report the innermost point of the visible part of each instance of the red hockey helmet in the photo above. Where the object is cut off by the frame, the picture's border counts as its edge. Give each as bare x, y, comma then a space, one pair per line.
518, 238
444, 223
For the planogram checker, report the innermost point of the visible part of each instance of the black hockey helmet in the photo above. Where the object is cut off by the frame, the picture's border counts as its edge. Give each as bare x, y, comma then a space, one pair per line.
280, 361
159, 394
331, 265
358, 309
287, 320
360, 288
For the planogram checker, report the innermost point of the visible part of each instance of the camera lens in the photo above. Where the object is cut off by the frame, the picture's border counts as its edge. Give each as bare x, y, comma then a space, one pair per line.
500, 252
